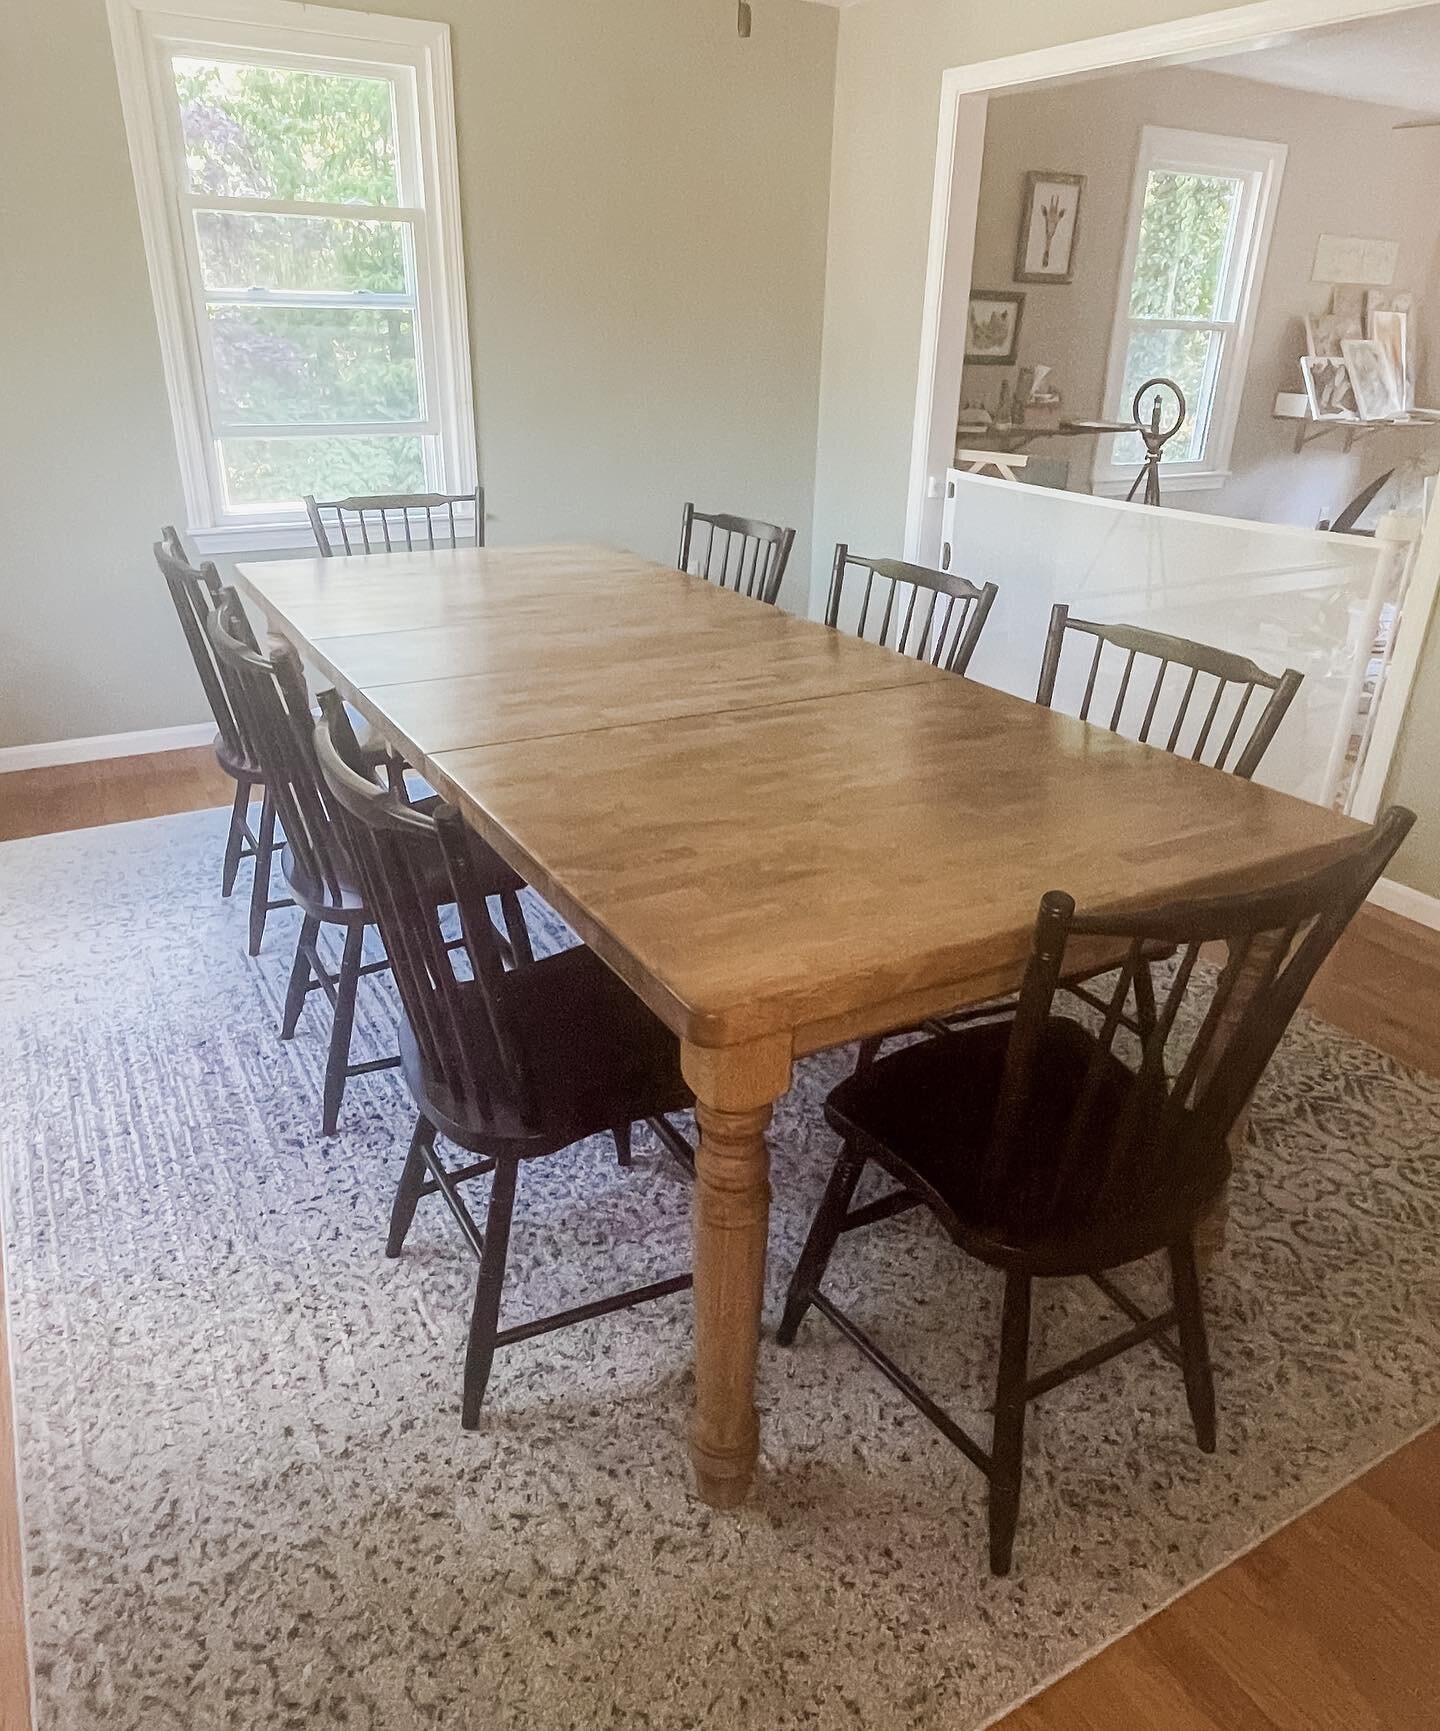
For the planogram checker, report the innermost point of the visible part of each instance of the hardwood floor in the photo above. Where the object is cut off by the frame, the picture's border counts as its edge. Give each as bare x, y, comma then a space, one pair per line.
81, 795
1327, 1626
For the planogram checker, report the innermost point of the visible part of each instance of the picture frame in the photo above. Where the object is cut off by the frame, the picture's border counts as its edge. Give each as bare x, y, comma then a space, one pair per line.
1391, 330
1049, 226
1324, 333
1327, 385
1378, 393
992, 327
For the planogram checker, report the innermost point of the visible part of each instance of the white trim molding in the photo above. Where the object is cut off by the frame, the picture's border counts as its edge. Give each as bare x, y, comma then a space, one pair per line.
1411, 904
414, 56
102, 745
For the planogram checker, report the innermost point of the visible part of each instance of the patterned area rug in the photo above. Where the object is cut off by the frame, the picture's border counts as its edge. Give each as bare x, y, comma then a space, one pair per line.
247, 1498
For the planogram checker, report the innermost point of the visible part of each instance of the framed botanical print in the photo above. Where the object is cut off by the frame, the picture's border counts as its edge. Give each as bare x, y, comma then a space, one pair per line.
1049, 224
992, 327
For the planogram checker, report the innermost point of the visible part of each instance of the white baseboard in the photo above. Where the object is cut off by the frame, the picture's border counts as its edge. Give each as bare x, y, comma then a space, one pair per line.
1413, 904
103, 745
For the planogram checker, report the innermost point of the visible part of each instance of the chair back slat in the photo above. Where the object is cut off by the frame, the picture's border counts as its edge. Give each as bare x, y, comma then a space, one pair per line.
274, 705
372, 522
1221, 709
1178, 1086
478, 1060
760, 552
192, 591
930, 615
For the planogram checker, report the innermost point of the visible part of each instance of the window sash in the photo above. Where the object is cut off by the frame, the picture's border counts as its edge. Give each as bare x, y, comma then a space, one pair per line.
413, 56
1258, 167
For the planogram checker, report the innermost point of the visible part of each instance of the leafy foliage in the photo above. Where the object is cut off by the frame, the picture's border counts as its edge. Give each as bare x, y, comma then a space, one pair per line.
260, 132
1185, 228
1180, 262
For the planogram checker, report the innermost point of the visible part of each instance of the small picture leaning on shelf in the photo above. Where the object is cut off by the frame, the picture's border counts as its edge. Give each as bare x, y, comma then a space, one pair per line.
1327, 385
1378, 393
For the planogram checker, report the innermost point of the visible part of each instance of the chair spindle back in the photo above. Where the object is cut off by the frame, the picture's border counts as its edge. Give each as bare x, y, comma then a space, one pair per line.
1185, 726
474, 1059
1186, 1080
910, 608
394, 522
274, 705
192, 591
739, 553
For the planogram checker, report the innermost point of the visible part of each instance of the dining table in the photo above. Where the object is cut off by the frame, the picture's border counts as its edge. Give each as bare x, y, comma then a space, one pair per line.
782, 837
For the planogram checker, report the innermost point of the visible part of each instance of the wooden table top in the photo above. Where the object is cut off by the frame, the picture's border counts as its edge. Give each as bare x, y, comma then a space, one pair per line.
760, 824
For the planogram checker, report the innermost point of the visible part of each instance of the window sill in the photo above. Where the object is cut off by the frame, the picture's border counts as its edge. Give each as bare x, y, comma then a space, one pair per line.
228, 539
1198, 481
289, 535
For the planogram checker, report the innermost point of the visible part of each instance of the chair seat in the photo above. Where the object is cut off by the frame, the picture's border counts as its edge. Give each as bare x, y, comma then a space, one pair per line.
235, 764
926, 1113
598, 1057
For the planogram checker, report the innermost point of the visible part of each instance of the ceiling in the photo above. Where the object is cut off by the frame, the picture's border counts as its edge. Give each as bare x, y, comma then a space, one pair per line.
1394, 61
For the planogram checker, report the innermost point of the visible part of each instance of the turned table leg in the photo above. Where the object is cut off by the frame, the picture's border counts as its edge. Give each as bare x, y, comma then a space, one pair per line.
735, 1090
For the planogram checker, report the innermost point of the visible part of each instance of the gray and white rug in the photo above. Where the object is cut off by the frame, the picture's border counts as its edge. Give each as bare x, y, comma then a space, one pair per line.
247, 1498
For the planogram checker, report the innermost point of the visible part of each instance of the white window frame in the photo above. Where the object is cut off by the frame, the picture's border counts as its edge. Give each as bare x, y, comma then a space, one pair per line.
1260, 166
415, 56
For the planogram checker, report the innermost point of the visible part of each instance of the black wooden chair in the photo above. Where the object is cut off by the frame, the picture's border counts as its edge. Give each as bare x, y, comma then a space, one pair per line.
192, 590
394, 522
1192, 731
739, 553
1045, 1148
508, 1066
943, 628
275, 705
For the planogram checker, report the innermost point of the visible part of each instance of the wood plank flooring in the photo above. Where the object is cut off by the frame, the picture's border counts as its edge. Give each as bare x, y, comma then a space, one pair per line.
1327, 1626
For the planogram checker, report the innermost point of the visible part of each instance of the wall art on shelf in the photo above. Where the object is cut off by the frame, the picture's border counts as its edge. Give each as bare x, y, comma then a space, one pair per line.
1049, 224
1327, 384
992, 327
1350, 259
1391, 330
1377, 392
1324, 332
1380, 304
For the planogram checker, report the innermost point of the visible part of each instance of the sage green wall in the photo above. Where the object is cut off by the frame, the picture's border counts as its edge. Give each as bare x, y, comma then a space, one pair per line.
645, 202
887, 103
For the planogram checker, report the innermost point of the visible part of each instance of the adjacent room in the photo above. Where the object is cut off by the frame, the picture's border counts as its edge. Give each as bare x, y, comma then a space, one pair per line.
720, 865
1198, 231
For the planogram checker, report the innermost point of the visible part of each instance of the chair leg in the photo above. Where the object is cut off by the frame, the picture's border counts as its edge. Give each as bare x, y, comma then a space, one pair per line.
1008, 1447
1194, 1347
515, 928
869, 1052
337, 1064
407, 1192
621, 1133
300, 970
820, 1244
260, 880
485, 1317
1146, 1015
235, 840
